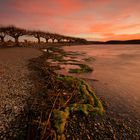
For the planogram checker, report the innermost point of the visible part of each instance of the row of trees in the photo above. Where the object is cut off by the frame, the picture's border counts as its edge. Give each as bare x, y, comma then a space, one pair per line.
17, 32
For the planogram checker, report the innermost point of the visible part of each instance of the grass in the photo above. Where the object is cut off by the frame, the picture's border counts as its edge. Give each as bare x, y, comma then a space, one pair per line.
58, 58
73, 60
90, 103
81, 97
83, 89
74, 53
83, 69
89, 59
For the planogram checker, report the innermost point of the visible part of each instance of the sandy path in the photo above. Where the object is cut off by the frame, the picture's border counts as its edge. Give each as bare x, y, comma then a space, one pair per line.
117, 69
15, 87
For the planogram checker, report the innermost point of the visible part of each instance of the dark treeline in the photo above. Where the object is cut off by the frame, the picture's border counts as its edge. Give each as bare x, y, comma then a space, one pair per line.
16, 32
136, 41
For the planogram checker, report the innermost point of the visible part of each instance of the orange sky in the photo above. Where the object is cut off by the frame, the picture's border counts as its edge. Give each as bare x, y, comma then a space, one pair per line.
91, 19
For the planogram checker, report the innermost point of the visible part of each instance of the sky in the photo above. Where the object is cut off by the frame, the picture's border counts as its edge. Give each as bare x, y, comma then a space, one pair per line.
91, 19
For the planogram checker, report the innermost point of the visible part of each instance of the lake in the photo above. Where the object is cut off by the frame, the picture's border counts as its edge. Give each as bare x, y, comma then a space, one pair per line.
117, 74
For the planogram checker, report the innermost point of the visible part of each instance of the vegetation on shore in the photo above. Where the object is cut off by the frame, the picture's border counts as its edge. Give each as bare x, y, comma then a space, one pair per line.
84, 101
65, 107
60, 58
89, 59
68, 95
84, 68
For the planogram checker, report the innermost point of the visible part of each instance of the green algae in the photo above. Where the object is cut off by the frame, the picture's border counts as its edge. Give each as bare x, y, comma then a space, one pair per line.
83, 68
91, 104
89, 59
87, 101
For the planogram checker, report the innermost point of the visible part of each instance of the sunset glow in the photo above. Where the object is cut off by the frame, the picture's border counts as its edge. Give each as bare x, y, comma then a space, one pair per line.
90, 19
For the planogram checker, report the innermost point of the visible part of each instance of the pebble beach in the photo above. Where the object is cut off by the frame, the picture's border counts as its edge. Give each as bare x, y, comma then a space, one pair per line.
15, 88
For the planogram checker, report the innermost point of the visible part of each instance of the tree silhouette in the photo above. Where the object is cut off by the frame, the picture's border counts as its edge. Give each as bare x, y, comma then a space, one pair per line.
36, 34
80, 40
2, 33
46, 35
15, 32
53, 36
47, 38
59, 37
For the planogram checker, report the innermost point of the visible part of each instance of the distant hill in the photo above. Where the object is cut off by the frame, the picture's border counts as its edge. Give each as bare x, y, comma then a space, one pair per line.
136, 41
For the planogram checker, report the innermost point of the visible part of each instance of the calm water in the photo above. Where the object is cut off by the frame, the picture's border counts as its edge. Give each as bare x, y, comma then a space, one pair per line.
117, 71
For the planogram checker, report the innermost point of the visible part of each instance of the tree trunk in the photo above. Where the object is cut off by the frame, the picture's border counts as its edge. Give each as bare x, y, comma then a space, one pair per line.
16, 40
2, 39
53, 40
58, 40
47, 40
38, 40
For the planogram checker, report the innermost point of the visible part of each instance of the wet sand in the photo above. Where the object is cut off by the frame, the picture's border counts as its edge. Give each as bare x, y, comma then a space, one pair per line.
117, 71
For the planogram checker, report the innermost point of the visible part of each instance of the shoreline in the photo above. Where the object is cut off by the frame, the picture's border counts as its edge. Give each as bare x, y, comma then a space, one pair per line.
79, 125
107, 126
15, 89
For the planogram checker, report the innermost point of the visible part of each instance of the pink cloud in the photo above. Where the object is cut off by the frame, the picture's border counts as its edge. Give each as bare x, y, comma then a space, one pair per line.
112, 28
122, 36
89, 17
48, 8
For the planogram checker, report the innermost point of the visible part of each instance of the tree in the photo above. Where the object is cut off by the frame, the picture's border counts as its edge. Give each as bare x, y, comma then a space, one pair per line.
52, 36
67, 38
80, 40
36, 34
2, 33
58, 37
46, 35
15, 32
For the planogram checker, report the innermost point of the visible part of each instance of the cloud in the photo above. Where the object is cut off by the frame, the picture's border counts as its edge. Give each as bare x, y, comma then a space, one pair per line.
95, 18
122, 36
114, 28
48, 8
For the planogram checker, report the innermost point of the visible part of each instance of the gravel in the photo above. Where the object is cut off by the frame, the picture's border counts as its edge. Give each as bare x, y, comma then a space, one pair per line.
15, 89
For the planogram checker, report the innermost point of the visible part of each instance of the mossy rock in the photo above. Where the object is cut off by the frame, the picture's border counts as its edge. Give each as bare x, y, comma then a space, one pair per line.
91, 104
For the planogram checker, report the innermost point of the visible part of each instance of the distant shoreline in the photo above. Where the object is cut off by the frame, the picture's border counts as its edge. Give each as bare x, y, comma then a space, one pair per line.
137, 41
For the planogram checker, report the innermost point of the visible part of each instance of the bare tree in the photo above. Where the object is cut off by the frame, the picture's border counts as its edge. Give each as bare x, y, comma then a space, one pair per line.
52, 36
15, 32
36, 34
46, 35
2, 33
47, 39
58, 37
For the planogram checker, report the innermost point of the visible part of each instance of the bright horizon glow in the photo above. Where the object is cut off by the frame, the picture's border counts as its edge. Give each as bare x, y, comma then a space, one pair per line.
91, 19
